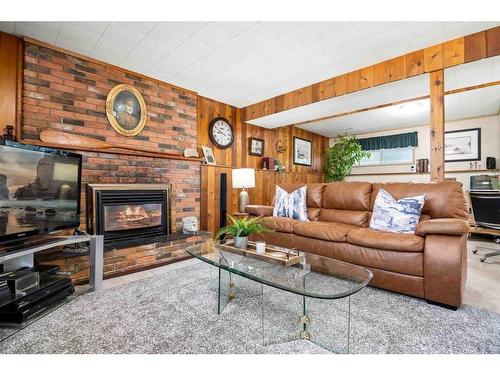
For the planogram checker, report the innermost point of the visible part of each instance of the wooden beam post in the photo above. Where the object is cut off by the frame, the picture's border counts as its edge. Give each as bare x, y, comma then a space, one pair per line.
437, 125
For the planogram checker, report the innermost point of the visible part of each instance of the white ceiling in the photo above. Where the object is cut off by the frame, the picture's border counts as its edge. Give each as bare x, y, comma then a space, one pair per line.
470, 104
241, 63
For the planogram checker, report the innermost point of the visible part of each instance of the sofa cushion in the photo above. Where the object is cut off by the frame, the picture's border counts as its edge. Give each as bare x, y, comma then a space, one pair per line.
404, 242
347, 195
358, 218
292, 204
314, 192
279, 224
323, 230
442, 200
397, 216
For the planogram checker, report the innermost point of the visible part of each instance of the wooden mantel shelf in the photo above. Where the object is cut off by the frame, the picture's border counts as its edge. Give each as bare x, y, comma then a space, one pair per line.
111, 151
424, 173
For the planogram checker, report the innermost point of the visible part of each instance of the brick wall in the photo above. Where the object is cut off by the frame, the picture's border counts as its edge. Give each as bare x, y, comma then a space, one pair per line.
65, 92
68, 93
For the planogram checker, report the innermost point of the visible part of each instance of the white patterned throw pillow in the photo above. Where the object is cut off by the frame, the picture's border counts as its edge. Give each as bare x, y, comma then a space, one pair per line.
398, 216
292, 205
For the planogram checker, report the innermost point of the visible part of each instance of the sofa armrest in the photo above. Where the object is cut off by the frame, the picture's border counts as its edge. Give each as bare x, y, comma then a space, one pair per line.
456, 227
445, 268
259, 210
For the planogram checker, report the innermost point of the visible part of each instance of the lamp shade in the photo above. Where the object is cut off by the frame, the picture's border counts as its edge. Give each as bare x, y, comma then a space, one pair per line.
243, 178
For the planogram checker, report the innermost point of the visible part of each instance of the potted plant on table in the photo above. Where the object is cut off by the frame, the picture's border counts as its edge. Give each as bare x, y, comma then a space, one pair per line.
240, 229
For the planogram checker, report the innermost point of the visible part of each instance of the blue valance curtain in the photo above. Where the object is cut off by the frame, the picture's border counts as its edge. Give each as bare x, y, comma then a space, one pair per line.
390, 141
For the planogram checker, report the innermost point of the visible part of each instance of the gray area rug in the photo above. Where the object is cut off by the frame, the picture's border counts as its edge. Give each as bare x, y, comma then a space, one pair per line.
176, 313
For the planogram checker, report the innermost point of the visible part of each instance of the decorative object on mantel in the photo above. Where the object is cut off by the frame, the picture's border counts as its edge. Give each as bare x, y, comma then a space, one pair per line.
341, 157
240, 229
190, 225
126, 110
279, 167
268, 163
208, 154
280, 146
8, 134
243, 178
256, 146
191, 153
302, 151
55, 137
462, 145
221, 132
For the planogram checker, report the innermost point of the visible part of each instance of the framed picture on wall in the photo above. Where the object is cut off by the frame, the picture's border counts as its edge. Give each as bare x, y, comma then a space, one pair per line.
256, 146
462, 145
302, 151
208, 154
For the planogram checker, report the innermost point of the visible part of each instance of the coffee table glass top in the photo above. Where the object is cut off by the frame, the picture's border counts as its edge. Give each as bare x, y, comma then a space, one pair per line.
314, 276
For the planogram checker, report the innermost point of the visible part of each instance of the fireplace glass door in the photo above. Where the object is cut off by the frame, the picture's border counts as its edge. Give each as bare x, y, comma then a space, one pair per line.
131, 216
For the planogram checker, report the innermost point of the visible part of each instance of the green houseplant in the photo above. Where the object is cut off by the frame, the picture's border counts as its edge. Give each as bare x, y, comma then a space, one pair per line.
342, 156
240, 229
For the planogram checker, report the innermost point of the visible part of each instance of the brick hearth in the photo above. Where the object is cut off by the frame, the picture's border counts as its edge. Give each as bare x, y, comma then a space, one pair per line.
68, 93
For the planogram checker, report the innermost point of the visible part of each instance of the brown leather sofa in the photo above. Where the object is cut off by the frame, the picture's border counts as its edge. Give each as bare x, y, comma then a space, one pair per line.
430, 264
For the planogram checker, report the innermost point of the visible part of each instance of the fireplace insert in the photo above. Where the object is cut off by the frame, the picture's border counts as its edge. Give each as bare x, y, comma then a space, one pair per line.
122, 212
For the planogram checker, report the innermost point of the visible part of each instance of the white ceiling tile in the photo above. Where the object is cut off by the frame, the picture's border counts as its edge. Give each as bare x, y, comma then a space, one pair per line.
234, 28
372, 29
7, 27
45, 31
110, 51
280, 29
78, 37
245, 62
212, 36
301, 37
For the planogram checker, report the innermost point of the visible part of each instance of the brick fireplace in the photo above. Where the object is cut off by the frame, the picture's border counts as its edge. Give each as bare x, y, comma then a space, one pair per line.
63, 91
124, 212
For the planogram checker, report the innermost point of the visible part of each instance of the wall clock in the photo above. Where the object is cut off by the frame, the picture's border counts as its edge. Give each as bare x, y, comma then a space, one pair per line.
221, 132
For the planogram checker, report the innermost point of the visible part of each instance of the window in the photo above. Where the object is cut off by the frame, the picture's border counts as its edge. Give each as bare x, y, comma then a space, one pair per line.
389, 156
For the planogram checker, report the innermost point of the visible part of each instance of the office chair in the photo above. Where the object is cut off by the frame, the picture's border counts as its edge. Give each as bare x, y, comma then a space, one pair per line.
486, 212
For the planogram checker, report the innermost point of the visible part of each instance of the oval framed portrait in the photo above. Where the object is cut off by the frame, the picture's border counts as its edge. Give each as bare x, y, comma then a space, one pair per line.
126, 110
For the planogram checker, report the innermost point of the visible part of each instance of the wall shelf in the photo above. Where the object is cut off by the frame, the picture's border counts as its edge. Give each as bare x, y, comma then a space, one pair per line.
111, 151
425, 173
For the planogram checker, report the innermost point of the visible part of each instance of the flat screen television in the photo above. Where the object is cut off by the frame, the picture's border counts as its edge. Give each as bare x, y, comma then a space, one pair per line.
39, 190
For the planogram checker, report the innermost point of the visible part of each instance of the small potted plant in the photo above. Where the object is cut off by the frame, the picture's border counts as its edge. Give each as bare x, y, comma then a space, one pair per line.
240, 229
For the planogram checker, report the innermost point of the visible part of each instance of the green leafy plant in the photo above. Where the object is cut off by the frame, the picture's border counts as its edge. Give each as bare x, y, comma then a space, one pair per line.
341, 157
279, 166
242, 227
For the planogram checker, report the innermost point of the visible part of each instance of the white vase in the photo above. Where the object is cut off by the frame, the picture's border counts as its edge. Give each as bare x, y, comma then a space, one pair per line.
241, 242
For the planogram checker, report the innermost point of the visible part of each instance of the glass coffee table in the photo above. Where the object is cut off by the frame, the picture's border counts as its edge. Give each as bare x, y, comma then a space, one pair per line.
310, 299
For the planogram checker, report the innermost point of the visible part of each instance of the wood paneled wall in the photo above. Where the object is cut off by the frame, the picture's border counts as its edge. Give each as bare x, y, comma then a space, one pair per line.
238, 156
263, 193
11, 69
453, 52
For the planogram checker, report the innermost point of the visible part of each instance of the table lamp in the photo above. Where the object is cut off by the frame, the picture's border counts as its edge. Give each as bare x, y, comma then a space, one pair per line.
243, 178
